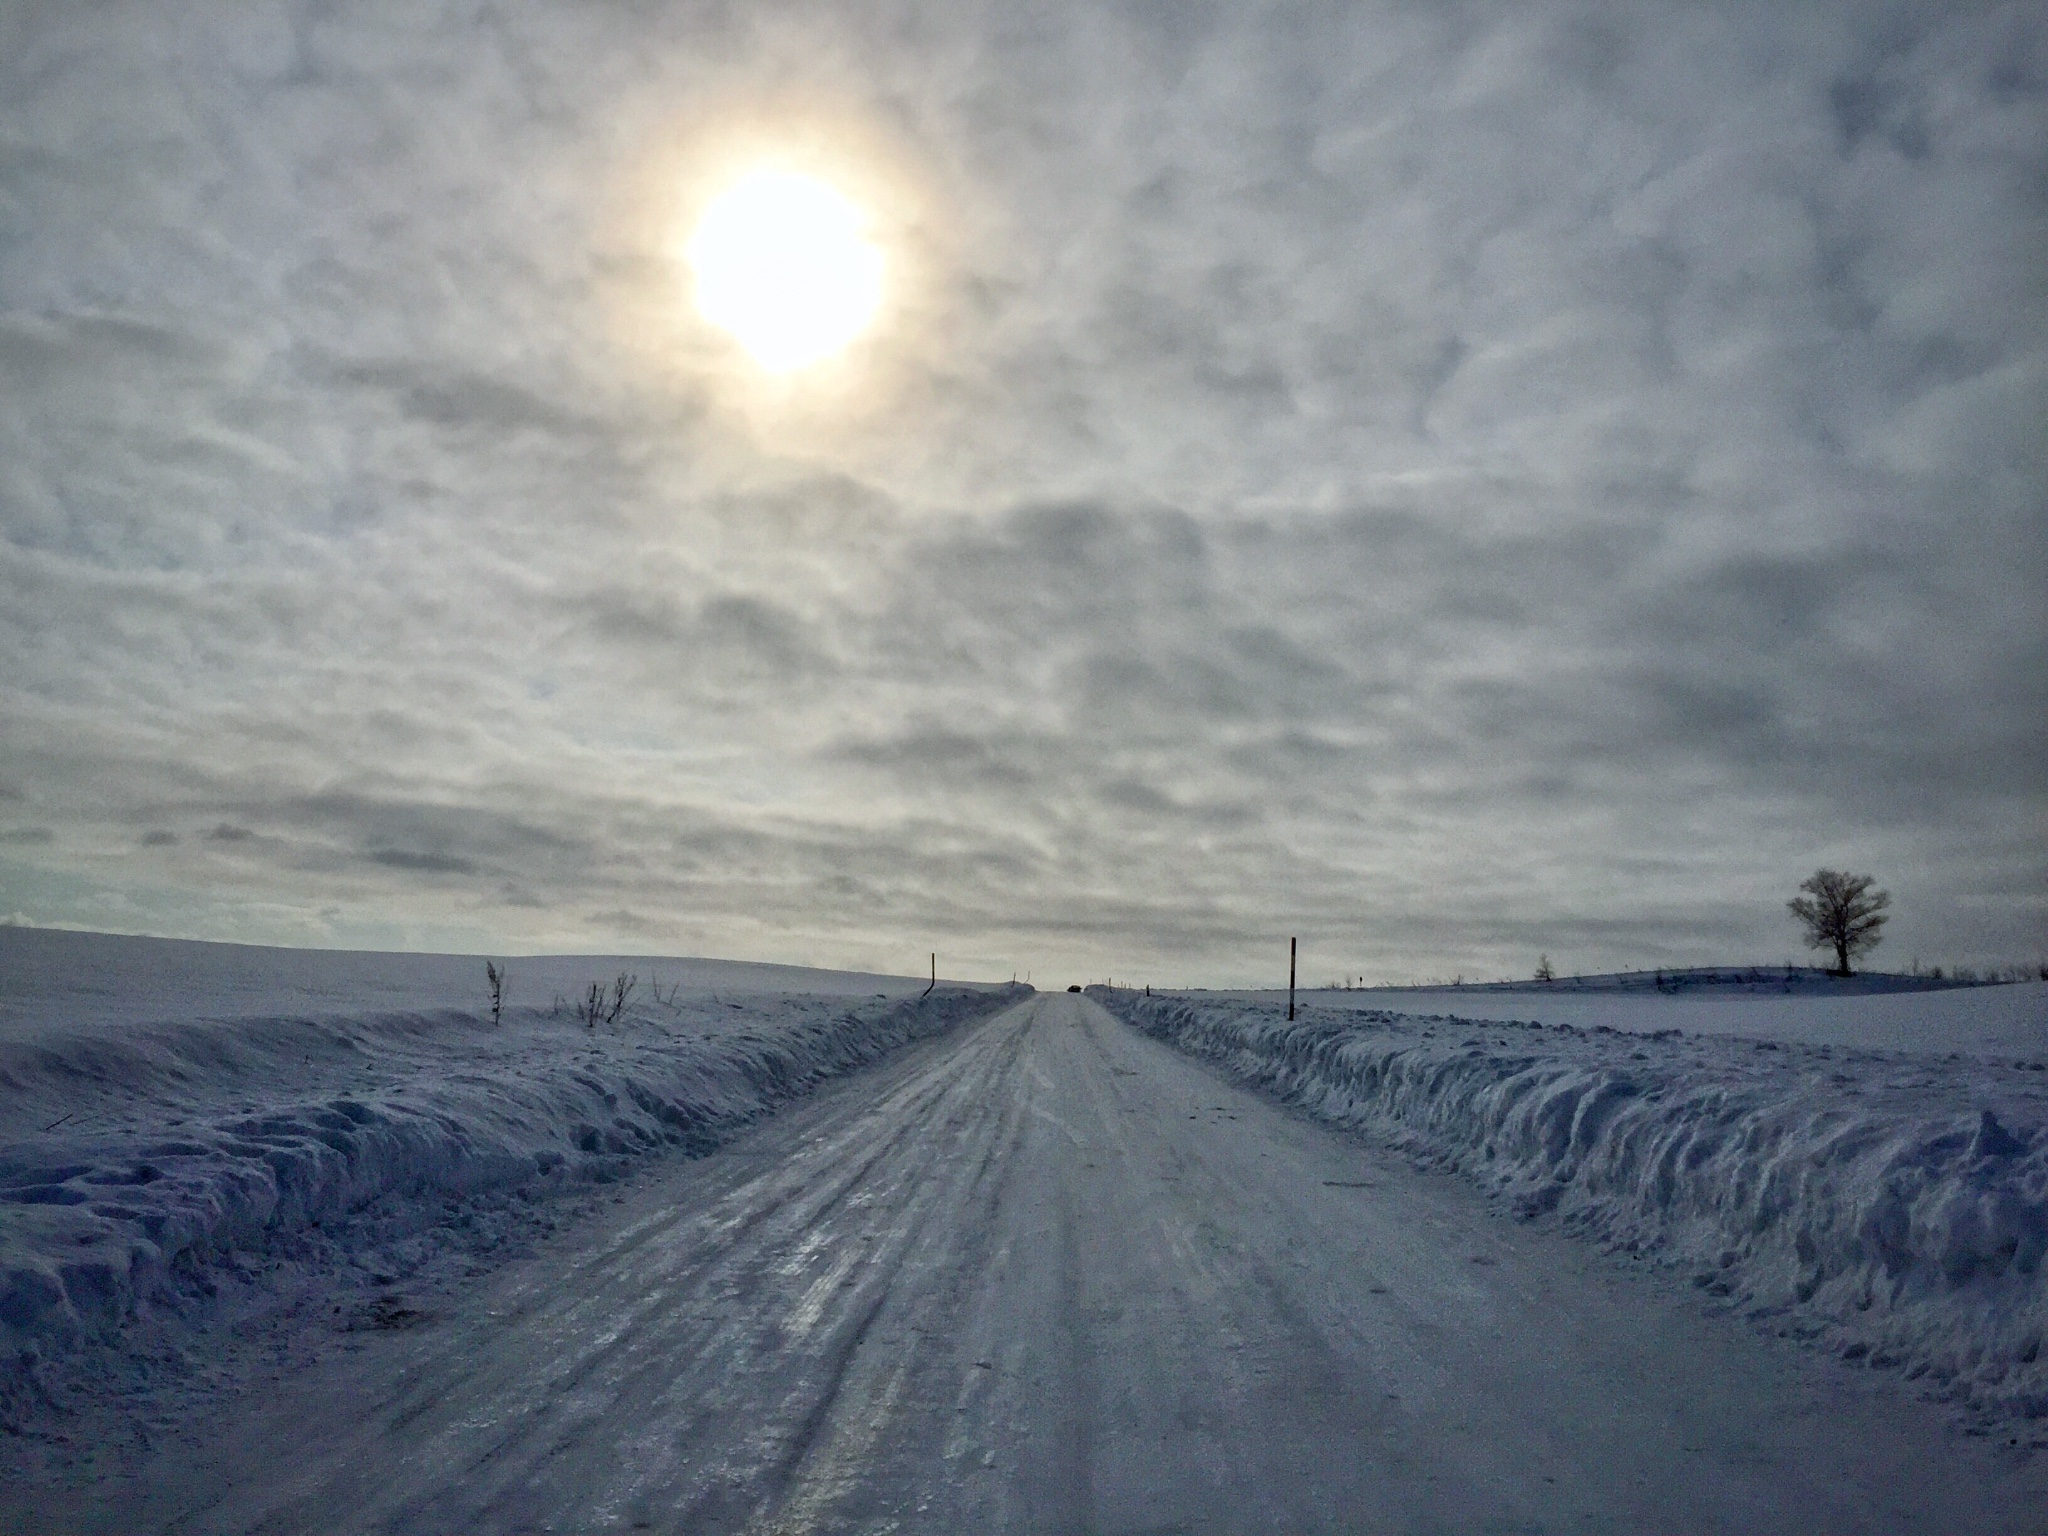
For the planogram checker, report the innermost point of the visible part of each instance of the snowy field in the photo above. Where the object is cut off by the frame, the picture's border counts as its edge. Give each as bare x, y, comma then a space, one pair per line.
2006, 1020
51, 978
1889, 1204
179, 1120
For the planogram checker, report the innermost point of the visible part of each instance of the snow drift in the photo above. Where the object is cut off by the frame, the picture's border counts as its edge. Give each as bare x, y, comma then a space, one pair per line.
1892, 1207
163, 1152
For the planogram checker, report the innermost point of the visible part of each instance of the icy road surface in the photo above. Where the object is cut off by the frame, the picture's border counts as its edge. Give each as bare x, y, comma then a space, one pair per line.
1046, 1275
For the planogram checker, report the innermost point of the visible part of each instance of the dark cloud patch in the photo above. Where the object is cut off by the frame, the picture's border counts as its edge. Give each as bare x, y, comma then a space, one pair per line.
1152, 803
456, 398
1754, 601
422, 863
1866, 106
227, 832
933, 753
159, 837
624, 920
44, 349
28, 837
725, 637
416, 834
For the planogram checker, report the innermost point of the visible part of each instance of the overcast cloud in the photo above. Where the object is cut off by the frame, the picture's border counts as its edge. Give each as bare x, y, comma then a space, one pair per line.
1451, 481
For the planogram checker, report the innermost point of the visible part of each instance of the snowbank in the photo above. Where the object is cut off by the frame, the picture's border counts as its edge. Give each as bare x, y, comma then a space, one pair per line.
1892, 1207
164, 1152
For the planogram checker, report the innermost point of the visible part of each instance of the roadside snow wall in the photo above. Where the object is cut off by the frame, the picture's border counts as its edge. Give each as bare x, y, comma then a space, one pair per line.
179, 1147
1890, 1207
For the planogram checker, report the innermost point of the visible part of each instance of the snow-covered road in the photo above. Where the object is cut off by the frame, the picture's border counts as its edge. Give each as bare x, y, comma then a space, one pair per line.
1044, 1274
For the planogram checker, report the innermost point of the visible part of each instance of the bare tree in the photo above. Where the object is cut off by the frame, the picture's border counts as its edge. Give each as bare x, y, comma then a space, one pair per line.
495, 975
1842, 912
622, 992
1543, 970
602, 1004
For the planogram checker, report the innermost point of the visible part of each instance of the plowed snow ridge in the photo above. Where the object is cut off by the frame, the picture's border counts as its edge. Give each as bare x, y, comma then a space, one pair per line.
177, 1148
1891, 1206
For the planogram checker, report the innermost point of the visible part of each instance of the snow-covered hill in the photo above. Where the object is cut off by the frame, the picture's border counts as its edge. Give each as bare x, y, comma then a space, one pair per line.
54, 978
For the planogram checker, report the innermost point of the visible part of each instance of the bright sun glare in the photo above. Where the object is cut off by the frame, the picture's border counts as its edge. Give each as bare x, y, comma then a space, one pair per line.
782, 263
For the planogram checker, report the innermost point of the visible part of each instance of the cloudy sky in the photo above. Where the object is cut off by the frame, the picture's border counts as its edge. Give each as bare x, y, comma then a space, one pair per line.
1453, 481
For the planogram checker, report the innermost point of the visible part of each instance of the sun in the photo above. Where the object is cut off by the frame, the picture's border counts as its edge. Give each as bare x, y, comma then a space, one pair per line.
783, 262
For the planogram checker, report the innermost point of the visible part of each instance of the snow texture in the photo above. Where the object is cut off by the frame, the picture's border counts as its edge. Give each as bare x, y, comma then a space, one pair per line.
1889, 1206
1867, 1011
60, 979
139, 1165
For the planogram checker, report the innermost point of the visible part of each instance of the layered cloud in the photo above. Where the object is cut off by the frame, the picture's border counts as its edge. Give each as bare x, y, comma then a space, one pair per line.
1450, 482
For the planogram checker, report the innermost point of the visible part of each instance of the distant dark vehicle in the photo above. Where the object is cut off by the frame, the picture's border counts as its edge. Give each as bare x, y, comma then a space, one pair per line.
1073, 989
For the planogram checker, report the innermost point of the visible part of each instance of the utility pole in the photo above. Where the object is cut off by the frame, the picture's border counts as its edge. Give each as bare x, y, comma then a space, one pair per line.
1290, 978
927, 992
